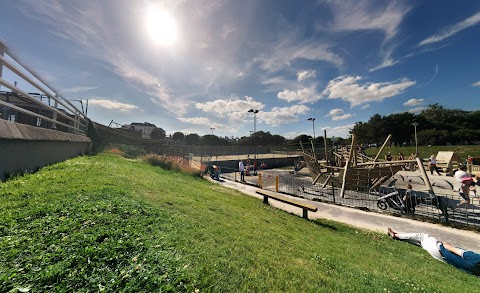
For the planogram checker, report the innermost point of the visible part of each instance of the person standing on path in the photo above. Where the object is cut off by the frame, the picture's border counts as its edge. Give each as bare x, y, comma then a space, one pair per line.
433, 165
241, 169
465, 181
464, 260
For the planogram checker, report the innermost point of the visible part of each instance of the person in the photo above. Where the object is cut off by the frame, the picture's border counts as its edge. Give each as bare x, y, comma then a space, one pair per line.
216, 172
400, 157
241, 169
411, 166
389, 157
409, 200
465, 181
460, 258
433, 165
255, 168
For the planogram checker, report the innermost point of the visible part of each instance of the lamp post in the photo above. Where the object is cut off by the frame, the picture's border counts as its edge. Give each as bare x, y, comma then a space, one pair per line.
212, 129
313, 123
415, 124
254, 129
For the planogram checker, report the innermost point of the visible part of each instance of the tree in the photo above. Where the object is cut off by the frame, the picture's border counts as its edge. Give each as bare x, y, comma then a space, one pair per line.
178, 136
303, 138
192, 139
157, 133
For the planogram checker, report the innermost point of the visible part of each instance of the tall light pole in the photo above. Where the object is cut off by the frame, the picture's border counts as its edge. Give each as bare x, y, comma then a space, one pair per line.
415, 124
313, 123
254, 129
212, 129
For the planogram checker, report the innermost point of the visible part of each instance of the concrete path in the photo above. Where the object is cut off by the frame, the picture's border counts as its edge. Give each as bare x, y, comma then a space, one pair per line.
369, 220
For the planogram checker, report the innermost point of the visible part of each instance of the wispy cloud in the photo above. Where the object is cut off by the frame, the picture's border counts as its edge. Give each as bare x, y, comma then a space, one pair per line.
349, 89
78, 89
84, 25
278, 116
305, 95
338, 114
354, 15
304, 74
280, 83
387, 61
281, 54
413, 102
416, 110
207, 122
433, 77
476, 84
113, 105
451, 30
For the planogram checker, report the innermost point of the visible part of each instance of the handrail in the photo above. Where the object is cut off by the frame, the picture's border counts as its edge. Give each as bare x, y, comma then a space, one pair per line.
69, 111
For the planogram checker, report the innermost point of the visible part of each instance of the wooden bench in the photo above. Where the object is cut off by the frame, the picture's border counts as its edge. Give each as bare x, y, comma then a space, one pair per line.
304, 206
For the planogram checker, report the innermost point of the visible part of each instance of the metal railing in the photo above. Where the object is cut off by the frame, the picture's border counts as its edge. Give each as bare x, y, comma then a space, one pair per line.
27, 108
441, 208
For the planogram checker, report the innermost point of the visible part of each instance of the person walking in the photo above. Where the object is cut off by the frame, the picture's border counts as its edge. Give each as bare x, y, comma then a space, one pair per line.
465, 260
433, 165
465, 181
241, 169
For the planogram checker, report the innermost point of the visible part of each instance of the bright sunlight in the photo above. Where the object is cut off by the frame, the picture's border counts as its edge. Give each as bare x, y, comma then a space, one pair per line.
161, 27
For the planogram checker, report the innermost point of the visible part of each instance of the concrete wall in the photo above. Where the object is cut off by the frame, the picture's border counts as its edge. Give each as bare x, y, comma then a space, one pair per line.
25, 148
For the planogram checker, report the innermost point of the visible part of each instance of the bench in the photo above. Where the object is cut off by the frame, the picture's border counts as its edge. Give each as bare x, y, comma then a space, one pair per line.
304, 206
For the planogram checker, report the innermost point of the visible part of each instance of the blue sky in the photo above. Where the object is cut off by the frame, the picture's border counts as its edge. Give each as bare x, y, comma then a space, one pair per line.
193, 65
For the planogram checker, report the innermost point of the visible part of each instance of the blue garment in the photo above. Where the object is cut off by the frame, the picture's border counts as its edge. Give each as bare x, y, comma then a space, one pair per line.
470, 262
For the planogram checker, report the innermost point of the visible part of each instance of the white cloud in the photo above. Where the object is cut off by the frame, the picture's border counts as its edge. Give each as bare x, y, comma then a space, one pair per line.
348, 88
416, 110
306, 95
241, 74
338, 114
365, 106
290, 49
304, 74
355, 15
233, 108
279, 83
78, 89
291, 135
451, 30
278, 116
339, 131
114, 105
476, 84
387, 61
413, 102
196, 120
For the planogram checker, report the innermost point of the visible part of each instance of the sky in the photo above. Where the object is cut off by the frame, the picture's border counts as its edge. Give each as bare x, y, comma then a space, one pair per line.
198, 66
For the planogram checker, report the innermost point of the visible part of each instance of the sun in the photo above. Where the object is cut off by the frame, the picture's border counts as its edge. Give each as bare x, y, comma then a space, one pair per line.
161, 27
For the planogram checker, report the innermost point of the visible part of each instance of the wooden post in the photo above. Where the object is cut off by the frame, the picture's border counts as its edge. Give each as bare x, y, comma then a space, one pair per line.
325, 145
425, 176
383, 146
276, 183
260, 180
347, 165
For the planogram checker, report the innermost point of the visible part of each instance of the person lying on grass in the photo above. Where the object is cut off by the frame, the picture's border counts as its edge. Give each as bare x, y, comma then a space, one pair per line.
464, 260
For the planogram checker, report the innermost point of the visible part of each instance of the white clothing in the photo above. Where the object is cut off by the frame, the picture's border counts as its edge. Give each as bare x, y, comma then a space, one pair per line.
241, 166
427, 242
433, 161
460, 174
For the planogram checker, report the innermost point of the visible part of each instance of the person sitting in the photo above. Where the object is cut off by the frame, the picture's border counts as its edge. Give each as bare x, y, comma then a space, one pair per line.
465, 260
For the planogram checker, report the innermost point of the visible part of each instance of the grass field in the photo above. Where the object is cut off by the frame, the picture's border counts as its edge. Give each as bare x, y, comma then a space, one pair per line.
108, 224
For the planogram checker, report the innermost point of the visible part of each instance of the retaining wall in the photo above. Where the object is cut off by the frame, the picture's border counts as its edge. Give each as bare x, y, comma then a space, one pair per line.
25, 148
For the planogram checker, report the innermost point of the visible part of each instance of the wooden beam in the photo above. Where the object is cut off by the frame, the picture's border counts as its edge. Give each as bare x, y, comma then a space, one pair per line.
383, 146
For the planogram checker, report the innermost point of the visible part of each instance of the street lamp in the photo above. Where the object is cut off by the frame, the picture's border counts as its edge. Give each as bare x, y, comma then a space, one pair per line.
415, 124
212, 128
254, 129
313, 123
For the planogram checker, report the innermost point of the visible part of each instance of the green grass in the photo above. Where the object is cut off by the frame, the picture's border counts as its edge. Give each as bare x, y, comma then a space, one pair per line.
426, 151
106, 223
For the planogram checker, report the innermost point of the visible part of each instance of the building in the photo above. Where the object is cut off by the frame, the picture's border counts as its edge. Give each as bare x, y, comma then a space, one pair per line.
145, 128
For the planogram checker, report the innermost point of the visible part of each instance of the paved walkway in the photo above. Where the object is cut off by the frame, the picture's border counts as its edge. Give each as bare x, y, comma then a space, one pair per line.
369, 220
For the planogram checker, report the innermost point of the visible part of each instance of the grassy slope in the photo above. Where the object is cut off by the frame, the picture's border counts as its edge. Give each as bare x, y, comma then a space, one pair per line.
107, 223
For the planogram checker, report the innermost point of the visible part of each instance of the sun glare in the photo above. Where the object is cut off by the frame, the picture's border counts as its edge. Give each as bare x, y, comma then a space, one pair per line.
161, 27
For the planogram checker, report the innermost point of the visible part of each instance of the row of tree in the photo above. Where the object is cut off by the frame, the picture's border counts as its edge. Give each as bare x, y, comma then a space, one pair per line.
435, 125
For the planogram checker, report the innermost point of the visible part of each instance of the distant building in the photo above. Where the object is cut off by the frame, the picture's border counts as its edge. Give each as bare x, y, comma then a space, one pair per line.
145, 128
